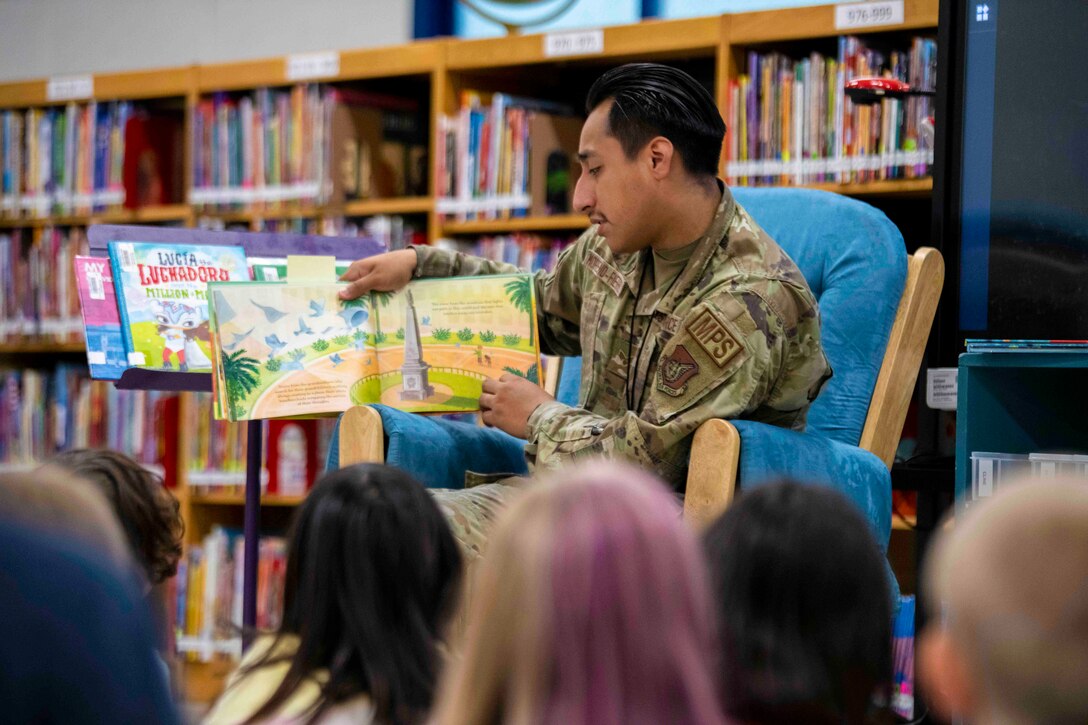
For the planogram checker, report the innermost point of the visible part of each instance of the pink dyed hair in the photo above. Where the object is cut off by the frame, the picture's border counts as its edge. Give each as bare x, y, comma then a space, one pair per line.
610, 609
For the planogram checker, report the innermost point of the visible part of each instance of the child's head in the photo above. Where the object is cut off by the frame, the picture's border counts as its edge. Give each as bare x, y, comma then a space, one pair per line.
373, 575
805, 613
1007, 590
591, 606
147, 512
60, 504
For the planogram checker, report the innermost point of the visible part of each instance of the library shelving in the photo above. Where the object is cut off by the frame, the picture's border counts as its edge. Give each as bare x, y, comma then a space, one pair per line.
236, 133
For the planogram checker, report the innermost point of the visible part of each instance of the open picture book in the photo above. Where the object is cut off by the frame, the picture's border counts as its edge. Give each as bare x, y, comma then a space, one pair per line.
290, 349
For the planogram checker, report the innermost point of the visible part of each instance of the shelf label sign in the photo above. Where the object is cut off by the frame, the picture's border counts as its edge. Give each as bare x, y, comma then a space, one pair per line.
69, 88
306, 66
941, 388
579, 42
850, 16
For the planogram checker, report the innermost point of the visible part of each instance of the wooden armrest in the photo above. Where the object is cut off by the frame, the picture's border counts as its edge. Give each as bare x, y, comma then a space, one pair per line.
712, 472
361, 437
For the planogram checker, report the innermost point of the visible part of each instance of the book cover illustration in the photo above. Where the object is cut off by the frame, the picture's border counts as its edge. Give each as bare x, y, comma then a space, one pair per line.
101, 323
288, 350
162, 300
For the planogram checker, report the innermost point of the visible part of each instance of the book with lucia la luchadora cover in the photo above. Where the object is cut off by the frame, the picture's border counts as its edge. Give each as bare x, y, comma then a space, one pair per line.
283, 349
162, 300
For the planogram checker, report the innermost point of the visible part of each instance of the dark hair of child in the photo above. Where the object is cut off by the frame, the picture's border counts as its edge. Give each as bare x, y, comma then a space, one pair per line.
804, 608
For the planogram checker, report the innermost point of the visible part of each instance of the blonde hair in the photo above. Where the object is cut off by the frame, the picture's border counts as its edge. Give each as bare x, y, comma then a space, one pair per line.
1010, 585
591, 606
53, 502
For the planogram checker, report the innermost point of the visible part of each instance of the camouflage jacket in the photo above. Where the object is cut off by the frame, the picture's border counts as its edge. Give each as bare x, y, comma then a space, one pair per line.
736, 335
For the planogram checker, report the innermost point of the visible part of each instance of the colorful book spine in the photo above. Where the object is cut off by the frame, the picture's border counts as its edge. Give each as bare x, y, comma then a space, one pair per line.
106, 356
793, 124
37, 284
43, 413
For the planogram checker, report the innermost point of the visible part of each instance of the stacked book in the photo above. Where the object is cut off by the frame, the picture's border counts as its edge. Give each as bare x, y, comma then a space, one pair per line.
208, 592
530, 252
87, 158
37, 285
303, 146
978, 345
504, 156
43, 413
789, 121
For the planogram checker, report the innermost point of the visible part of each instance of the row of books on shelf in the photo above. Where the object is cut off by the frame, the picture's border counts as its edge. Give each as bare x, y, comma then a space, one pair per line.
1026, 345
789, 120
294, 452
309, 144
89, 157
207, 598
506, 156
528, 251
37, 284
43, 412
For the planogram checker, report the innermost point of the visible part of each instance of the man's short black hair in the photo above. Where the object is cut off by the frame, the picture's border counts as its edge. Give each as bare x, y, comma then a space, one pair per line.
649, 99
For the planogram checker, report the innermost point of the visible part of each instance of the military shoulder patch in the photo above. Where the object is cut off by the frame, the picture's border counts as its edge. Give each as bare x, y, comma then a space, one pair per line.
714, 336
675, 370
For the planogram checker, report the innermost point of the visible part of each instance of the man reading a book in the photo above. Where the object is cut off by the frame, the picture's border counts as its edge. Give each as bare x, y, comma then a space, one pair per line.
681, 307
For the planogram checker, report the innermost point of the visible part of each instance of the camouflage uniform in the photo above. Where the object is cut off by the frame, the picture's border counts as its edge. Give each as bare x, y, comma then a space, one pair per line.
735, 335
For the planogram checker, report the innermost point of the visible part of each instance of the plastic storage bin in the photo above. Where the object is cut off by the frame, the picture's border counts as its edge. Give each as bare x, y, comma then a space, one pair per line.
1053, 465
990, 470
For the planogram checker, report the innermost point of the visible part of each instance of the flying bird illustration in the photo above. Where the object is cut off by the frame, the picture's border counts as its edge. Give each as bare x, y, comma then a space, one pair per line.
274, 342
336, 359
236, 339
427, 320
318, 307
303, 328
270, 313
328, 329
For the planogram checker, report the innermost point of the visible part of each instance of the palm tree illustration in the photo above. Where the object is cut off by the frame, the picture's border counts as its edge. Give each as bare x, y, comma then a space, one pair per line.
520, 292
381, 299
242, 375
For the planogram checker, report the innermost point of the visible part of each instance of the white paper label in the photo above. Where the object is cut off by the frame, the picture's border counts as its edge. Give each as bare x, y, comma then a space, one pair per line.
985, 484
304, 66
941, 388
96, 357
866, 15
1048, 469
136, 358
69, 88
580, 42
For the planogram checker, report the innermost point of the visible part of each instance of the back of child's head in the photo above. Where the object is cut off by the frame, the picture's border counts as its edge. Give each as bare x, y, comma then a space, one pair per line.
591, 606
804, 607
61, 505
148, 513
373, 575
1007, 590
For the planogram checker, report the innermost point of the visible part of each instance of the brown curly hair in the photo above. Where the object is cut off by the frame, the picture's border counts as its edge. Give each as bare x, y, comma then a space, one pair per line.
146, 510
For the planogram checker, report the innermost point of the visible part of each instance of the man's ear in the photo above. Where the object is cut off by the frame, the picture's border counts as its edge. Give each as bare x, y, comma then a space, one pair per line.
945, 675
661, 155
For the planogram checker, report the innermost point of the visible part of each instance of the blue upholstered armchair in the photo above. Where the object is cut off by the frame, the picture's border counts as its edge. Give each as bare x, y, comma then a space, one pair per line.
876, 307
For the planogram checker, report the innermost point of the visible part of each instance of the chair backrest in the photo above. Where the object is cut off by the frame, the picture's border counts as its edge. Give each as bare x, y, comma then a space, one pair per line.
855, 261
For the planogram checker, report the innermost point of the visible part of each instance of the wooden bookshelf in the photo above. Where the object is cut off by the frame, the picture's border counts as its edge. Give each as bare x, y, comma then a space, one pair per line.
130, 85
143, 215
238, 499
558, 223
660, 39
44, 347
818, 21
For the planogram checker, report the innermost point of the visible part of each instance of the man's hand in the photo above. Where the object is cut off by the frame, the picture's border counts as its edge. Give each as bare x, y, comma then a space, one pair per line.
508, 402
387, 272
